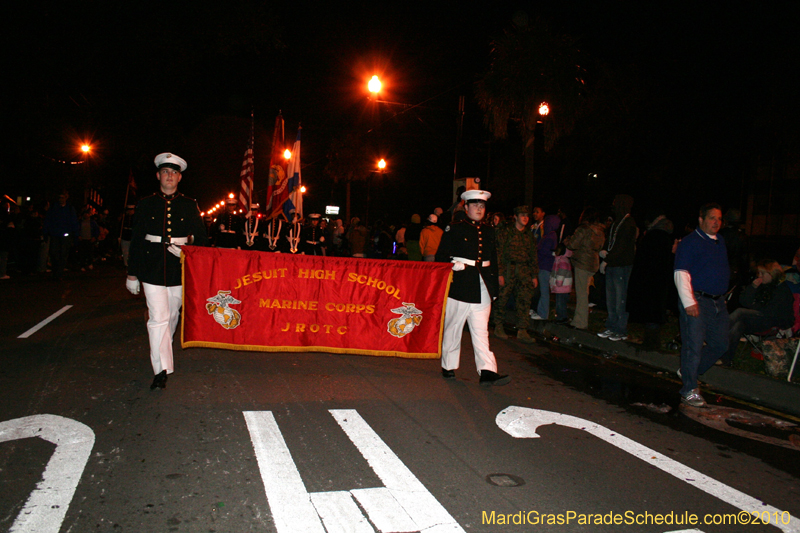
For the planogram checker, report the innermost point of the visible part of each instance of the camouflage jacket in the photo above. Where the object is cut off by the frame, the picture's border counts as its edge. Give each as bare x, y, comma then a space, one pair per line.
516, 247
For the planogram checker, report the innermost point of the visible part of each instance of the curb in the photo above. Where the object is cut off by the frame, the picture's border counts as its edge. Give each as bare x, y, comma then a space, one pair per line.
760, 390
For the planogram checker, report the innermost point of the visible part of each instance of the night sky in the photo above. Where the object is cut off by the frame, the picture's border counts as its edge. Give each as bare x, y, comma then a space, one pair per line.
697, 96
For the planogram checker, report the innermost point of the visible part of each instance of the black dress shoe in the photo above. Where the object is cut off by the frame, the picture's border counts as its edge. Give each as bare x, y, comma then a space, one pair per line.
448, 373
489, 378
160, 381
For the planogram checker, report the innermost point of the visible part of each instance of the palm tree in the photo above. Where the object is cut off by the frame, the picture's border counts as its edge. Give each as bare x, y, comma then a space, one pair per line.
531, 64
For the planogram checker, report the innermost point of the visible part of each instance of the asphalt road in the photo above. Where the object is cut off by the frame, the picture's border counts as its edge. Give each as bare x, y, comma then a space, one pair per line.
287, 442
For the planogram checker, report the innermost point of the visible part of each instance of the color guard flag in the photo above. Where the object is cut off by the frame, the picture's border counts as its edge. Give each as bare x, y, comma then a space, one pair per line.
258, 301
277, 186
295, 200
246, 174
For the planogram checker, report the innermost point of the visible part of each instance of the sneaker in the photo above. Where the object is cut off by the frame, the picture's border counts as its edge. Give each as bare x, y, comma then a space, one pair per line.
605, 334
618, 337
447, 374
693, 399
535, 316
500, 332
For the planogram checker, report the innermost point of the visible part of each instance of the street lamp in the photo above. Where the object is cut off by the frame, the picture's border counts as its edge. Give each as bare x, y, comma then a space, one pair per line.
287, 154
381, 169
530, 152
85, 148
374, 85
544, 109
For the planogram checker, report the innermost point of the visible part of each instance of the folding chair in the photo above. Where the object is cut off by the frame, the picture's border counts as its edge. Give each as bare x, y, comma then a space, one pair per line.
794, 361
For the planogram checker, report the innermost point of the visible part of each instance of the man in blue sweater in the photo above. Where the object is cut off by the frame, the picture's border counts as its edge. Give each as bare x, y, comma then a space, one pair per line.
701, 276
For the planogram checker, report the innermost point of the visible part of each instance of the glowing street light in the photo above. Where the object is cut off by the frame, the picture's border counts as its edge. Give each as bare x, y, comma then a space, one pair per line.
544, 109
303, 189
231, 196
374, 85
382, 164
85, 148
287, 154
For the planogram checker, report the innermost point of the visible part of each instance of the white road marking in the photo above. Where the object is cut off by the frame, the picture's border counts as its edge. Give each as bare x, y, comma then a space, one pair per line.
403, 505
44, 322
288, 499
522, 422
339, 513
47, 504
426, 512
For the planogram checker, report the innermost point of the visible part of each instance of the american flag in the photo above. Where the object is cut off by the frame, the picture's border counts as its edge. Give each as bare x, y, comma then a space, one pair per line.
246, 194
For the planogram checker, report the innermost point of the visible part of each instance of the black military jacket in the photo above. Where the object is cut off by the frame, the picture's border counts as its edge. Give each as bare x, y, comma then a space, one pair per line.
312, 240
229, 230
164, 216
474, 241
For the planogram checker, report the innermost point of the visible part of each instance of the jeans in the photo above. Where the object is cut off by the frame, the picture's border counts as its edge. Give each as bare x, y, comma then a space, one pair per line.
711, 327
617, 298
543, 309
561, 306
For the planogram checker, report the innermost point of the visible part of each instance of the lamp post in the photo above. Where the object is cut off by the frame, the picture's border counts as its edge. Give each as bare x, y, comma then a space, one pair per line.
381, 169
530, 151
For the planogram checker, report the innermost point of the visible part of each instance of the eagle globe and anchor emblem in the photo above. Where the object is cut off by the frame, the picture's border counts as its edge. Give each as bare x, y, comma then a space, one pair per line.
217, 307
405, 324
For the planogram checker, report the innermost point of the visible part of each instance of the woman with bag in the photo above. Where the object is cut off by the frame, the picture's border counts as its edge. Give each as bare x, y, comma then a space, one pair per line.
561, 282
585, 245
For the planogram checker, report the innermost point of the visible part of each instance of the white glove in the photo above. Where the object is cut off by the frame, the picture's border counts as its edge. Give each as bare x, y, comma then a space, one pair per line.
133, 285
603, 254
175, 250
458, 266
603, 267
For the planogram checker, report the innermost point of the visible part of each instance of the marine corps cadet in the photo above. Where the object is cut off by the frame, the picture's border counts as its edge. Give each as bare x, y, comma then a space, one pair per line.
312, 238
229, 227
470, 246
292, 233
164, 222
251, 232
518, 273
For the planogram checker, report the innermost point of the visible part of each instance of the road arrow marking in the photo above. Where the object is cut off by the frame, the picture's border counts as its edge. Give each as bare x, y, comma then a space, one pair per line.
47, 504
522, 423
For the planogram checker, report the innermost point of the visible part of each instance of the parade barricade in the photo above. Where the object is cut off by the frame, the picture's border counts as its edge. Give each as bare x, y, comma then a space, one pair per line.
257, 301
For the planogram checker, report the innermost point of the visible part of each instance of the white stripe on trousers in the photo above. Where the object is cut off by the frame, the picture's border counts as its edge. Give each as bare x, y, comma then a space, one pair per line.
477, 317
164, 308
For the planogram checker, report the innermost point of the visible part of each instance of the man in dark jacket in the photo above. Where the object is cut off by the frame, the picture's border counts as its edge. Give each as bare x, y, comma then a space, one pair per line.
60, 228
618, 255
471, 247
164, 222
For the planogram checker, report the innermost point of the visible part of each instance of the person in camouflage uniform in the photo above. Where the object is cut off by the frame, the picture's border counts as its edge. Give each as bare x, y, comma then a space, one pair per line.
519, 269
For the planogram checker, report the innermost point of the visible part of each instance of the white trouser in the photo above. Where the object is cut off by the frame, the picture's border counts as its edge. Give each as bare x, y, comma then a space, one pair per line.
477, 317
164, 308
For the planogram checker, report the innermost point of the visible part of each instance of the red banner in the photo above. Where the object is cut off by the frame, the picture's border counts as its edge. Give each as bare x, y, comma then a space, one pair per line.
245, 300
